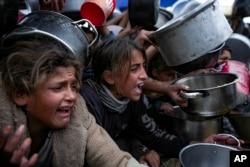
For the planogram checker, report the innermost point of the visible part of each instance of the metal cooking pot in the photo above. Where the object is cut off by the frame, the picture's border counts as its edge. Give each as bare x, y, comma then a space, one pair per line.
196, 128
192, 35
206, 155
209, 95
54, 26
163, 17
143, 12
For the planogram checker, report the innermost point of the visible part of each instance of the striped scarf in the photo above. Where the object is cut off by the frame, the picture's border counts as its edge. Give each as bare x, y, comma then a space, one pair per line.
107, 97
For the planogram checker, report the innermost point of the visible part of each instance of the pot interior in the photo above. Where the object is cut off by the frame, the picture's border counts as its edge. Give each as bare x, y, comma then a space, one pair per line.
208, 81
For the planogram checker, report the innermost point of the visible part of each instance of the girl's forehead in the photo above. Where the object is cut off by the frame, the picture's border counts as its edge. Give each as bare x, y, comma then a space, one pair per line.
136, 54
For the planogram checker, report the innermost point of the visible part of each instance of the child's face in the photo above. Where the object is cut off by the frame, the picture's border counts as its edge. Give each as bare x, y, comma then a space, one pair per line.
165, 75
224, 56
130, 86
53, 103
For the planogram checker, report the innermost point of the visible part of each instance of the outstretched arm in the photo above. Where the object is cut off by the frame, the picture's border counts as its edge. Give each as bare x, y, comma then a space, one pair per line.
166, 88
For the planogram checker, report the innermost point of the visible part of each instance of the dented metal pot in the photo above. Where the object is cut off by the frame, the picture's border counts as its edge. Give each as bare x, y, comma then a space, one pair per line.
56, 27
192, 35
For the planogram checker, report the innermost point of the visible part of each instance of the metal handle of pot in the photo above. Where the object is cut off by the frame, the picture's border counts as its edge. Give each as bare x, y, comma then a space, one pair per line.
235, 138
193, 94
84, 23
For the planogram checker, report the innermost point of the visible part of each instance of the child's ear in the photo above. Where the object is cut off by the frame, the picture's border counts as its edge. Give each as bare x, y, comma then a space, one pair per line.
19, 98
108, 77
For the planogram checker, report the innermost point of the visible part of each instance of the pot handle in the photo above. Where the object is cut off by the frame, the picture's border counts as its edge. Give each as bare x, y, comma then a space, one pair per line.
84, 23
235, 138
193, 94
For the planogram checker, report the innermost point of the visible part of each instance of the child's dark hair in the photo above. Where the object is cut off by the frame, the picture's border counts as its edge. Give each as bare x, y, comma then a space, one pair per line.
113, 54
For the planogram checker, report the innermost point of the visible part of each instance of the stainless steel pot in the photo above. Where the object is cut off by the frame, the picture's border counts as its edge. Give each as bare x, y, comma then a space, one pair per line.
196, 128
209, 95
57, 27
205, 155
192, 35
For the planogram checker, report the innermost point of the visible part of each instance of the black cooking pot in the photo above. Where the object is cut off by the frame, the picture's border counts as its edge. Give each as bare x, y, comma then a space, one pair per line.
54, 26
143, 12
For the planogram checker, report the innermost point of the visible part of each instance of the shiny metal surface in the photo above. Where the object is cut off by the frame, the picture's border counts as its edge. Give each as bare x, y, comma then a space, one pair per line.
205, 155
196, 128
192, 35
54, 26
219, 93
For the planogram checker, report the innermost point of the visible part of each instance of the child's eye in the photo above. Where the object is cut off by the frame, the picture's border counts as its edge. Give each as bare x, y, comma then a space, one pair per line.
74, 86
133, 68
57, 88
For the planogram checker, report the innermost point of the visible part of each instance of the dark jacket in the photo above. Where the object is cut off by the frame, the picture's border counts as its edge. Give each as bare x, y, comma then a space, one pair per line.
134, 122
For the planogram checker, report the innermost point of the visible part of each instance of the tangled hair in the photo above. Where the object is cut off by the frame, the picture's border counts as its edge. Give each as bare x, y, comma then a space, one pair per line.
113, 55
27, 63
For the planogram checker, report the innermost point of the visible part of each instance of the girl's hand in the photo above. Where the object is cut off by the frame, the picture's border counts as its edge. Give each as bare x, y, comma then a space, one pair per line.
151, 158
9, 154
224, 139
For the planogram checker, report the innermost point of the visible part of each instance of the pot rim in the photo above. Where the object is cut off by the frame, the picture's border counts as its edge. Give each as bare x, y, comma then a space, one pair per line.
68, 21
33, 31
209, 144
175, 22
185, 156
211, 88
